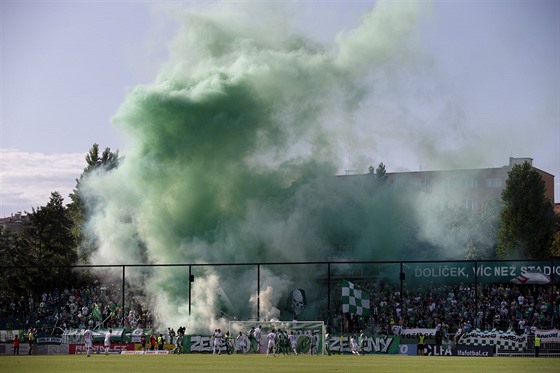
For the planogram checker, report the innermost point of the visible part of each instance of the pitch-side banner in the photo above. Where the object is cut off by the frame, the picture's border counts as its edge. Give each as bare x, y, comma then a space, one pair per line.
8, 335
136, 335
377, 344
76, 336
508, 340
410, 335
116, 348
548, 336
460, 350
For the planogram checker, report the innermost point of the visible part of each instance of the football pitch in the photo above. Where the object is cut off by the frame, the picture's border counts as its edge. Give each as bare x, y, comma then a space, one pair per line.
261, 363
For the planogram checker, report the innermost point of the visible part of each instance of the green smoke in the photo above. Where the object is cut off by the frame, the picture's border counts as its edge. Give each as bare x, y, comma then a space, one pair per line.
231, 154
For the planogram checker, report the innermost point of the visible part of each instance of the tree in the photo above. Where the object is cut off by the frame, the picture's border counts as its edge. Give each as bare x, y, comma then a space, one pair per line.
381, 172
11, 256
45, 243
106, 162
49, 235
78, 209
527, 219
39, 257
555, 249
484, 231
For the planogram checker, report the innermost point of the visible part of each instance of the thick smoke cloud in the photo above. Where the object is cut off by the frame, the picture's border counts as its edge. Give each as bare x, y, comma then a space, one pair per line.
231, 154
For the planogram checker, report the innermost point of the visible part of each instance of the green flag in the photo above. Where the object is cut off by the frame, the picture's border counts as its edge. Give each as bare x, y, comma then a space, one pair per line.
354, 301
96, 313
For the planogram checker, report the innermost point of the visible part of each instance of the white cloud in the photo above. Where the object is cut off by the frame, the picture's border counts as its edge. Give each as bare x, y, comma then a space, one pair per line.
28, 179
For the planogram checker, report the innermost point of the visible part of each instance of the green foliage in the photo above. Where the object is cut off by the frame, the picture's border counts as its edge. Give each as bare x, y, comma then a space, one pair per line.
471, 234
78, 208
11, 254
555, 249
44, 242
484, 231
527, 220
35, 258
381, 172
107, 161
48, 237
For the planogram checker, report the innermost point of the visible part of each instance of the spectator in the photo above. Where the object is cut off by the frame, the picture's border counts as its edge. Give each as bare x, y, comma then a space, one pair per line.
160, 341
16, 345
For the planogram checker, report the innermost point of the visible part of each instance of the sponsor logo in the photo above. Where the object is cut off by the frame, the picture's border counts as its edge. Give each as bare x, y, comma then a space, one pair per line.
461, 350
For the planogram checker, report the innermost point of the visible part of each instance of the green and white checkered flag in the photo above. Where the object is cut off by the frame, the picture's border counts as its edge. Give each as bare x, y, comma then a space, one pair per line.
354, 301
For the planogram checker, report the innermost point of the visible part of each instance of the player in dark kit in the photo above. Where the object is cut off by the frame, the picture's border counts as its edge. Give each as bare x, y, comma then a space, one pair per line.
252, 341
282, 342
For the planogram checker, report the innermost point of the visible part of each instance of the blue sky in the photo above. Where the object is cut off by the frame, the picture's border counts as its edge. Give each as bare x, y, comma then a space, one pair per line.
492, 70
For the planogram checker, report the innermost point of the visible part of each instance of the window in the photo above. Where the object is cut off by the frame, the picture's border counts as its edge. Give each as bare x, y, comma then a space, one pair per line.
493, 182
423, 184
471, 204
471, 183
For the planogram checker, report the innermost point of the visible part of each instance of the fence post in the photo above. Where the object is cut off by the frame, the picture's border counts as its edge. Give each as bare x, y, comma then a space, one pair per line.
123, 285
190, 287
328, 293
258, 292
476, 287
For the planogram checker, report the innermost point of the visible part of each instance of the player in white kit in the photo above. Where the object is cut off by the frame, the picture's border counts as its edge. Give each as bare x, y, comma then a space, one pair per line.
271, 337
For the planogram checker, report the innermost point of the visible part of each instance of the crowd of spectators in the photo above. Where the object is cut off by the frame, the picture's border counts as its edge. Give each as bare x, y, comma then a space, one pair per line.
75, 308
488, 307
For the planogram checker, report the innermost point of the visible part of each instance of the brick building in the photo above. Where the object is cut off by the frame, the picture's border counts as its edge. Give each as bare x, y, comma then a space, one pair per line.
467, 188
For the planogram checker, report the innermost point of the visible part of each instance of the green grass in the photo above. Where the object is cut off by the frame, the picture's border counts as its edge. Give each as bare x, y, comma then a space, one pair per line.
283, 364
